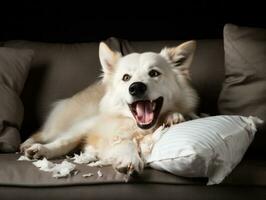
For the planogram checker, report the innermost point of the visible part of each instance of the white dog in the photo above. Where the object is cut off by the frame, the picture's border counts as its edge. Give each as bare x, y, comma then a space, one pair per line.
137, 94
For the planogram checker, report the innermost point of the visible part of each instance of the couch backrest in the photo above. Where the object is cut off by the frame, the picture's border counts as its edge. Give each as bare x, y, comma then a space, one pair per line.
60, 70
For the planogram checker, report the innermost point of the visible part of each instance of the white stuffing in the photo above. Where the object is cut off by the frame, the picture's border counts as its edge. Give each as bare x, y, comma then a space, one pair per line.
75, 172
24, 158
65, 168
58, 170
87, 175
100, 174
83, 158
44, 165
99, 163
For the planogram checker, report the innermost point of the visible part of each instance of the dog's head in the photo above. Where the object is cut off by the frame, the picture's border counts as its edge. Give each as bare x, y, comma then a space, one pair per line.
146, 85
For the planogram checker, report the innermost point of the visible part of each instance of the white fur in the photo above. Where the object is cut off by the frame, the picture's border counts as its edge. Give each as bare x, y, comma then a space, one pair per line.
99, 116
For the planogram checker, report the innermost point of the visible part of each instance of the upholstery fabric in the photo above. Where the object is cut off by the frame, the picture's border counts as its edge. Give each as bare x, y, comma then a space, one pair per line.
25, 174
14, 67
244, 89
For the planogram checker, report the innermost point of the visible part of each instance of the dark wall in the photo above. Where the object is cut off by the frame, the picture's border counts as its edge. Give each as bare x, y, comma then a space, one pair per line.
75, 22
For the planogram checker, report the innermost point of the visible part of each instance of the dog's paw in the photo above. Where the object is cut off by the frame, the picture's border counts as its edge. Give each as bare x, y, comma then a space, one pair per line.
129, 164
36, 151
25, 145
174, 118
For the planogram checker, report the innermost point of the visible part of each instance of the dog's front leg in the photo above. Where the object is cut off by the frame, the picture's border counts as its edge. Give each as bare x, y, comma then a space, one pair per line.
59, 147
64, 143
125, 157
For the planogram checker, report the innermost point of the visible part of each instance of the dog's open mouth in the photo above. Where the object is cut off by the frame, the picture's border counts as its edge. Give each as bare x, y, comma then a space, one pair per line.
146, 112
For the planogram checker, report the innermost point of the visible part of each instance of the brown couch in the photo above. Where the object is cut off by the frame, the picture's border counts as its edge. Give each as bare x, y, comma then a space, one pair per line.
60, 70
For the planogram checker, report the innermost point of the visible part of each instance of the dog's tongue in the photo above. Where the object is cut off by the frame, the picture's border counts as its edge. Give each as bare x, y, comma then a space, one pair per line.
144, 112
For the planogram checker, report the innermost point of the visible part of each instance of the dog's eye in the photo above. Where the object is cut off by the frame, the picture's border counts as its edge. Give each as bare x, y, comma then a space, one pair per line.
126, 77
154, 73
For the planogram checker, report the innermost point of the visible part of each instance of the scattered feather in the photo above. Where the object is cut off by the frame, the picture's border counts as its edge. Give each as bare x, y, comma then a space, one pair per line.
58, 170
100, 174
83, 158
98, 163
75, 172
66, 168
63, 169
24, 158
44, 165
87, 175
126, 178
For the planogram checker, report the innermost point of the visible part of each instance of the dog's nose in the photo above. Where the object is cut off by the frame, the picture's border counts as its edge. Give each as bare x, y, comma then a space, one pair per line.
137, 89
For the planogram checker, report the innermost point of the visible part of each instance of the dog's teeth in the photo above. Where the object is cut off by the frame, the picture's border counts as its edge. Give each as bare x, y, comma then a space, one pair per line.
153, 106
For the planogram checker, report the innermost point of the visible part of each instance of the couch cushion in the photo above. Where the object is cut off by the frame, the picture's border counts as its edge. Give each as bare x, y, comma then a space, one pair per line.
14, 68
244, 89
24, 173
58, 71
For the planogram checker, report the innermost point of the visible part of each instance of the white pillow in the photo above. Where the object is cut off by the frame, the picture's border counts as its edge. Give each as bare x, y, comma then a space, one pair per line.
207, 147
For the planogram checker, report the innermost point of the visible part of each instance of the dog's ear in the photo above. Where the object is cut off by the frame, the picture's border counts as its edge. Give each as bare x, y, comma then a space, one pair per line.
180, 56
108, 58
